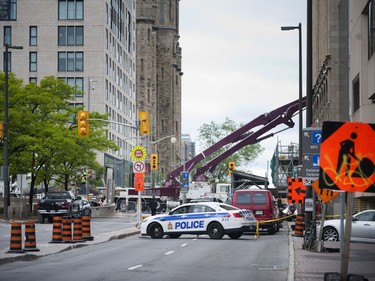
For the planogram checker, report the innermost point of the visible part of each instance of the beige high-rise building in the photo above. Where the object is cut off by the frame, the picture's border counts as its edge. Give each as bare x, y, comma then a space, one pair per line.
91, 44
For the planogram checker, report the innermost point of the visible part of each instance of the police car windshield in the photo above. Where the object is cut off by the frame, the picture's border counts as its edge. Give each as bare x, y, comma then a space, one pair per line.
228, 207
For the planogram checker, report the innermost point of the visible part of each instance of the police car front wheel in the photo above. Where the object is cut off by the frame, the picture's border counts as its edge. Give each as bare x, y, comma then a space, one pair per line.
215, 230
155, 230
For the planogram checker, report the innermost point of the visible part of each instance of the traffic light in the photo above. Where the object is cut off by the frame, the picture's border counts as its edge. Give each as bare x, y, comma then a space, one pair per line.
144, 124
139, 181
154, 162
83, 123
1, 130
231, 167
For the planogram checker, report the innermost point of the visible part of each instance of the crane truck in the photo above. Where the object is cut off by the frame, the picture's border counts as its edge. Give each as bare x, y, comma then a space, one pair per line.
253, 132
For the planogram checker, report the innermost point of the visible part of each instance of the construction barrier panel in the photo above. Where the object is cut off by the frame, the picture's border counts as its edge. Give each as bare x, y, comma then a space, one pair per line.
299, 228
77, 230
30, 237
86, 228
57, 230
16, 238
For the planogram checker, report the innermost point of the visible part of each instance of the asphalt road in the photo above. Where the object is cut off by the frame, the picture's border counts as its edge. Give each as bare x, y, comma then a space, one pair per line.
143, 259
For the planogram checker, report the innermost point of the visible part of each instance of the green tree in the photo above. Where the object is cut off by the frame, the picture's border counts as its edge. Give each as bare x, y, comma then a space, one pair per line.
209, 134
43, 137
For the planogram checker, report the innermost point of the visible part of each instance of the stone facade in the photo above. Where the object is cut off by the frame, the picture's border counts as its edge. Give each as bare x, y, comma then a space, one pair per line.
159, 78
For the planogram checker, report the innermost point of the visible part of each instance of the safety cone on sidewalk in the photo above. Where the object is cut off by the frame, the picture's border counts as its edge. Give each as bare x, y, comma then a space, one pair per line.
67, 230
77, 230
298, 231
57, 230
30, 237
86, 230
16, 238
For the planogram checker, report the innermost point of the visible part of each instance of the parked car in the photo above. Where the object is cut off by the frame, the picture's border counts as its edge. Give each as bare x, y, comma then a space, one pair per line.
363, 228
61, 203
81, 207
262, 203
212, 218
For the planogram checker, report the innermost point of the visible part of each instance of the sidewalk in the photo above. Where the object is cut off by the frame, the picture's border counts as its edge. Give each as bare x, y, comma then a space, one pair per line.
310, 266
53, 248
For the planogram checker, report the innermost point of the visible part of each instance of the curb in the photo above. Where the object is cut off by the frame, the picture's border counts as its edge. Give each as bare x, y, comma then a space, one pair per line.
31, 257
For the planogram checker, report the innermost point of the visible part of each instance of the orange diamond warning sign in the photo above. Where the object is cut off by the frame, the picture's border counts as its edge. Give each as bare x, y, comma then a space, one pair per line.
325, 195
347, 157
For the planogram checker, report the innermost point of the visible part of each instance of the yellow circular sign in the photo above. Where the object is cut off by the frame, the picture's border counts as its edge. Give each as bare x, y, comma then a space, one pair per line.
138, 153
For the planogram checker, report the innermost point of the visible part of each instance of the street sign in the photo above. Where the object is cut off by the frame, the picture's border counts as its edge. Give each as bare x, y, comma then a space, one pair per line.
296, 191
325, 195
311, 140
139, 181
184, 181
139, 167
348, 157
138, 153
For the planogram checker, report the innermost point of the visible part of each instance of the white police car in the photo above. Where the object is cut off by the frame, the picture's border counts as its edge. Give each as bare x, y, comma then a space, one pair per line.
212, 218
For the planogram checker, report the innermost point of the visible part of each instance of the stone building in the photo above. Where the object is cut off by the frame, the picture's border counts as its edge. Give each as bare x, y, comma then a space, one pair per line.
159, 78
343, 67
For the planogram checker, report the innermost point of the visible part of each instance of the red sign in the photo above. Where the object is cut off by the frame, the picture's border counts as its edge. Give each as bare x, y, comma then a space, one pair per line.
139, 181
347, 157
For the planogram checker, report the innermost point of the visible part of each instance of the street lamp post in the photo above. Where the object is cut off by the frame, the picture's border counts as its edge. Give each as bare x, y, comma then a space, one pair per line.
6, 132
299, 27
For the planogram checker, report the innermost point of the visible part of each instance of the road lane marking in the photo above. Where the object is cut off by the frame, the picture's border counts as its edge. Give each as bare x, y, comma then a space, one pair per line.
168, 253
184, 245
135, 267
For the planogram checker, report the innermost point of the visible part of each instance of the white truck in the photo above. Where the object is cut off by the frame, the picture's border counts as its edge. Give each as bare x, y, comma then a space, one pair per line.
199, 190
168, 198
126, 198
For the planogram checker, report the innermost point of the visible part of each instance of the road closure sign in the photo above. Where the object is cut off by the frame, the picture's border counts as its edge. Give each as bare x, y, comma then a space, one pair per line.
347, 157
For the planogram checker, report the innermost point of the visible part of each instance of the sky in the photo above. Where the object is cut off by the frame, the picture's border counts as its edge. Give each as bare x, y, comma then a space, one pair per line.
237, 63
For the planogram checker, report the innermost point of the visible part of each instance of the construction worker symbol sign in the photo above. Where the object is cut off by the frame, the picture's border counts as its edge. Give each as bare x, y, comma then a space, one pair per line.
347, 157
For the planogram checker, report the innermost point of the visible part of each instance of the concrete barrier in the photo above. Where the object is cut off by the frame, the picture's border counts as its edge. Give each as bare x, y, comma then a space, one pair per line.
102, 211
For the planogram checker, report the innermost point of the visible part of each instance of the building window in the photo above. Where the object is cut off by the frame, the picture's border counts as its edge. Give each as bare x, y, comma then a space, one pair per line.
7, 35
33, 80
70, 35
70, 9
70, 61
8, 10
356, 94
33, 36
76, 82
33, 61
371, 29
